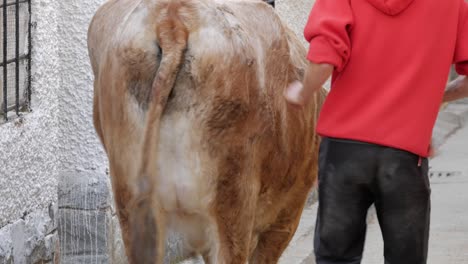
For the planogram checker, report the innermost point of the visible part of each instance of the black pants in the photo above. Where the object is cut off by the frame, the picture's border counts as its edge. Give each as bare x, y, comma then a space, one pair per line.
354, 175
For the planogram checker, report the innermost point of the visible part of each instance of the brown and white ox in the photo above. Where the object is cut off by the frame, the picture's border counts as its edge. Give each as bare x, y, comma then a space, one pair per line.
188, 105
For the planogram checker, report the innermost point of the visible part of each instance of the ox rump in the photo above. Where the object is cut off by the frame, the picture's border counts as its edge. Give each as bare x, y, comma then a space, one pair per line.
188, 106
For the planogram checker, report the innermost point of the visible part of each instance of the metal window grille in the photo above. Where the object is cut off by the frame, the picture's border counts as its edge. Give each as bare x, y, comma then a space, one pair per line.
15, 62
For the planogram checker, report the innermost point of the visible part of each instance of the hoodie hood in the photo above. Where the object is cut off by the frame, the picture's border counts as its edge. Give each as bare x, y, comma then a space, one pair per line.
391, 7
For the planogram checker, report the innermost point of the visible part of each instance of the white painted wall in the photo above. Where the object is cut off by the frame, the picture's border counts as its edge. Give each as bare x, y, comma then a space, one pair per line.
28, 161
80, 147
58, 135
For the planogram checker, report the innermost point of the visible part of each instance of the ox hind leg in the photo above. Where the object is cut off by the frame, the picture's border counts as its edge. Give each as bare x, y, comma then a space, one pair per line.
234, 209
121, 193
97, 114
273, 241
126, 208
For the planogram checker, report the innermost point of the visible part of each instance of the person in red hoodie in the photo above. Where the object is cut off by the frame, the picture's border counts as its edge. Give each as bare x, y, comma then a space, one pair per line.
389, 61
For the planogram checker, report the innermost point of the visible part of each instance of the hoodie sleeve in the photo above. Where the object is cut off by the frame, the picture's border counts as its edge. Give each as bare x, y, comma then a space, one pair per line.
327, 31
461, 50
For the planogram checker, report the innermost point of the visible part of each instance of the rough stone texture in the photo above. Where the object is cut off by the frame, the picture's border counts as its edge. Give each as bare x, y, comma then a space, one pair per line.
83, 236
6, 245
31, 239
28, 146
83, 191
80, 146
84, 218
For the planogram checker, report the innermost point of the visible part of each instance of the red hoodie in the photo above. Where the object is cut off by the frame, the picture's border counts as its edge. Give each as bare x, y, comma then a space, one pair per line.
392, 61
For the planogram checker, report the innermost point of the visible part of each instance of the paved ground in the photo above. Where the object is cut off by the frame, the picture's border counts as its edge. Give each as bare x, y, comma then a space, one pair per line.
449, 217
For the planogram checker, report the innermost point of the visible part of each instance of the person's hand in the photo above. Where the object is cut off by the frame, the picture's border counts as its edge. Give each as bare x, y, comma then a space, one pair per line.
294, 93
456, 89
300, 94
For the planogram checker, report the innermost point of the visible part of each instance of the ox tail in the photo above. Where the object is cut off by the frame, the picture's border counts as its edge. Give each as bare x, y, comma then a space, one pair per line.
173, 20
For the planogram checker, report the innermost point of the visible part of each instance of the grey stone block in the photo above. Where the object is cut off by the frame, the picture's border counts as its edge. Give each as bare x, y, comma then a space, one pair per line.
88, 259
83, 233
84, 218
83, 191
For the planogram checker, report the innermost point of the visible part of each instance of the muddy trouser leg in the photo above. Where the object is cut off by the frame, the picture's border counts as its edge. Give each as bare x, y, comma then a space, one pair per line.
403, 206
345, 175
352, 175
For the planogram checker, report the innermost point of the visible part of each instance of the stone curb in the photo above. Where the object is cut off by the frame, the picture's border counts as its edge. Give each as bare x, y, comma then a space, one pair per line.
31, 239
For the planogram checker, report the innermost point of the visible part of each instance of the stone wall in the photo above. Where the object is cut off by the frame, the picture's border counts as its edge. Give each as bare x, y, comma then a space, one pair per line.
28, 160
28, 145
31, 239
84, 218
56, 136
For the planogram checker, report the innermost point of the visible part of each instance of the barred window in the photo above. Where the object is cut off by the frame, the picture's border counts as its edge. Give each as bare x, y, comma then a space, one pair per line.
15, 58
